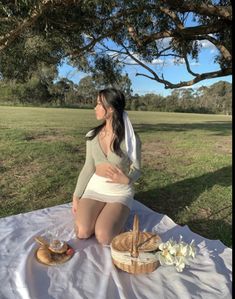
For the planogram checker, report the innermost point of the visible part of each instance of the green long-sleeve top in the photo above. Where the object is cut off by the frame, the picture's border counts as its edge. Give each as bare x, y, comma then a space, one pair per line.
95, 156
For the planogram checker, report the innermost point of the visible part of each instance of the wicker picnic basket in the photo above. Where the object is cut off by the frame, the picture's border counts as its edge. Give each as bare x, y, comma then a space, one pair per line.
134, 251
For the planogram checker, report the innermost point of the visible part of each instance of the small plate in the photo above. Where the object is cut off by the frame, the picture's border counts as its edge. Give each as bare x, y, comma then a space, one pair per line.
56, 258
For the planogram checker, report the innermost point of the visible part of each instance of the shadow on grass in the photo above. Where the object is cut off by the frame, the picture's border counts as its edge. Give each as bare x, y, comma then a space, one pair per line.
174, 198
221, 128
212, 229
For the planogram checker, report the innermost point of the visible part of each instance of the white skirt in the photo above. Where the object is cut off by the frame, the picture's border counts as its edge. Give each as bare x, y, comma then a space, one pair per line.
99, 189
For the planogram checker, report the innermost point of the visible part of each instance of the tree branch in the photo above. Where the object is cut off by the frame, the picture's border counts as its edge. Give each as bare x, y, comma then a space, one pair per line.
173, 16
188, 32
223, 50
155, 76
188, 67
12, 35
168, 84
37, 11
202, 8
94, 41
198, 78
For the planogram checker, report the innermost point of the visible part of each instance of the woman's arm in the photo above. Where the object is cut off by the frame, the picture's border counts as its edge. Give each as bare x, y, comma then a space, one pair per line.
86, 173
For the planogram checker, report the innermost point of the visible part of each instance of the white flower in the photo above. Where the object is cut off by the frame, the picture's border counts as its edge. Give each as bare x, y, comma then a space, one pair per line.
165, 258
181, 249
173, 253
168, 245
192, 249
179, 263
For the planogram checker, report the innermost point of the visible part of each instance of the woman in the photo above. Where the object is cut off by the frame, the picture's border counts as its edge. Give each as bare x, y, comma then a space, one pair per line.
104, 194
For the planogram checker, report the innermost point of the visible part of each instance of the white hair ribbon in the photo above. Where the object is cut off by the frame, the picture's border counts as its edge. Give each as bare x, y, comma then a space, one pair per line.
130, 139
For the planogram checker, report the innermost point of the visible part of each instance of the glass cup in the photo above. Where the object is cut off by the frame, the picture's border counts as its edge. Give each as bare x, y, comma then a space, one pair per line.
54, 240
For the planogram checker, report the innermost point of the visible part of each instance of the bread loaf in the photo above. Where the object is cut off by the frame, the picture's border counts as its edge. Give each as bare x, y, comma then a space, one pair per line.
44, 255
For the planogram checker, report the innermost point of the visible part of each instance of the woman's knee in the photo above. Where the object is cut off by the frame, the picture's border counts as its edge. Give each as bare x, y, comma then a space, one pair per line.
103, 237
83, 232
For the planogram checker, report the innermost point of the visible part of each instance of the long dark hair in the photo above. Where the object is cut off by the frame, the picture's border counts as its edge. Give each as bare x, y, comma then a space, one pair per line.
111, 97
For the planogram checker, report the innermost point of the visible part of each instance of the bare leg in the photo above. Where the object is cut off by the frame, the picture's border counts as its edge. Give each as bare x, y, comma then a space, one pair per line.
86, 215
110, 222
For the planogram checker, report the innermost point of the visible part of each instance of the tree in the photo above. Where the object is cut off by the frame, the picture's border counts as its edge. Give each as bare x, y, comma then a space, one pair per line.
35, 90
87, 90
89, 86
48, 31
218, 97
60, 89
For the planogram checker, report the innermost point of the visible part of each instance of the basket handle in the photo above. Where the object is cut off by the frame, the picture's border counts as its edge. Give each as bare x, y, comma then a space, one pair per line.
135, 237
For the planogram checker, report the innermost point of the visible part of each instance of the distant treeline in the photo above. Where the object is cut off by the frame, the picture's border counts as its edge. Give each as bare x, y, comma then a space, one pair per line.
215, 99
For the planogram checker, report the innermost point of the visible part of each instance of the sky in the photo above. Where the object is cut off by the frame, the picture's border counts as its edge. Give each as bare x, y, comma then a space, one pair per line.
174, 73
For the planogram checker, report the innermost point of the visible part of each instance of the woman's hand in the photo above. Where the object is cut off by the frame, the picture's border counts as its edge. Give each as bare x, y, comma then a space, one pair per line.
75, 205
116, 175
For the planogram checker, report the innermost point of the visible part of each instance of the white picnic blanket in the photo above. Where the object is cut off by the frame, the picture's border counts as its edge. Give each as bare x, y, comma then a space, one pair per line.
90, 273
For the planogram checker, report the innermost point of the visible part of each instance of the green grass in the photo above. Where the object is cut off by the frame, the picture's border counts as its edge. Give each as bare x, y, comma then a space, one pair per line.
186, 163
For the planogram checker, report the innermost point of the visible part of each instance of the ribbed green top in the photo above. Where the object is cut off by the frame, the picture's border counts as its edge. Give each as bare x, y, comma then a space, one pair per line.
95, 155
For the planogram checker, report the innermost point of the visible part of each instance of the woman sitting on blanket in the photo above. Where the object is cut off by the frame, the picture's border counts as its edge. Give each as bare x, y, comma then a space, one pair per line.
104, 193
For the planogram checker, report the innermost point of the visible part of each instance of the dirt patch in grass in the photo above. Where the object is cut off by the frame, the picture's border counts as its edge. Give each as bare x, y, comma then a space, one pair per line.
24, 173
224, 145
17, 177
49, 138
157, 155
202, 213
152, 153
207, 213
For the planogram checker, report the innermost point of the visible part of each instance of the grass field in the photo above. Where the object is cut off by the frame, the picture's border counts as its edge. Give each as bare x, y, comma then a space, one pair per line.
186, 163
